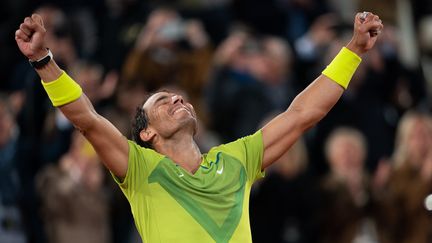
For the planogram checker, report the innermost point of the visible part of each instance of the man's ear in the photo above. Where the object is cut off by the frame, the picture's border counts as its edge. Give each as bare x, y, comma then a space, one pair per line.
147, 134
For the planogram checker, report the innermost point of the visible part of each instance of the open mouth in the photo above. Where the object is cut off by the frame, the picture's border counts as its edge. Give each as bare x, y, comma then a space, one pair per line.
179, 109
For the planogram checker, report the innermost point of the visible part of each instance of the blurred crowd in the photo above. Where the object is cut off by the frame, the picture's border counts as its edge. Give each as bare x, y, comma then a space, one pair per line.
361, 175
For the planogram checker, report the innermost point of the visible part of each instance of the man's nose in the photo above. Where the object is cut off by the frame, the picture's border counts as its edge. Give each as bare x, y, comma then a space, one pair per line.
177, 98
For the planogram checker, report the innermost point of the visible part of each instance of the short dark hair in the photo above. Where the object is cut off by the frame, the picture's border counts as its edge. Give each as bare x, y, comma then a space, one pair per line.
140, 123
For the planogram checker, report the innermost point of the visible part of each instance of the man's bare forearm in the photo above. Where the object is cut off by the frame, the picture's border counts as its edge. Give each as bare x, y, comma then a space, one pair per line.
316, 101
50, 72
80, 112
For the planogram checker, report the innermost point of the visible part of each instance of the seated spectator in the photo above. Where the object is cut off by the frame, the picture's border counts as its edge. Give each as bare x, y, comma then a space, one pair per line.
346, 207
74, 204
410, 182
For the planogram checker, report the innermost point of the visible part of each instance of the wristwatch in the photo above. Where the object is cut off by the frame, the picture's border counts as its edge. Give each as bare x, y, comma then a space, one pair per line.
42, 61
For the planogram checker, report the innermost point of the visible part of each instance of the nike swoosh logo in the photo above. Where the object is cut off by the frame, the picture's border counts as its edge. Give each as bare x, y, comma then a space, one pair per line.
220, 170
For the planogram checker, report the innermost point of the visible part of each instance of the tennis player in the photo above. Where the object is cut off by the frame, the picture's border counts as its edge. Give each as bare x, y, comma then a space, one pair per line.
176, 193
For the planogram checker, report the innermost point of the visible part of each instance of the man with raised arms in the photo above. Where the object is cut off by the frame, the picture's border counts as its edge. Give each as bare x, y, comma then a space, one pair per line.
176, 193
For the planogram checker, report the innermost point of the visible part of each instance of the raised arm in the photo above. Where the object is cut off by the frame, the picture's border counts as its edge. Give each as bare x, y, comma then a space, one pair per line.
109, 143
313, 103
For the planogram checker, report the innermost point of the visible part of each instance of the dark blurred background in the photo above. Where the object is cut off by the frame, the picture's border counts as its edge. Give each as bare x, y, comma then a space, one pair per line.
361, 175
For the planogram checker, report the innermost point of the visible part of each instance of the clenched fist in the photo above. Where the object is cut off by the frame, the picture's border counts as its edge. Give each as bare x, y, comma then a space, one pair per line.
367, 27
30, 37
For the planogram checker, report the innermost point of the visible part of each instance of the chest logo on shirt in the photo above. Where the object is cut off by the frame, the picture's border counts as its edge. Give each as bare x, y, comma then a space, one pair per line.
213, 196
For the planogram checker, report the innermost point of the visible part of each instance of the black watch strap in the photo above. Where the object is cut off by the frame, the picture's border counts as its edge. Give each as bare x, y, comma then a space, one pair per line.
43, 61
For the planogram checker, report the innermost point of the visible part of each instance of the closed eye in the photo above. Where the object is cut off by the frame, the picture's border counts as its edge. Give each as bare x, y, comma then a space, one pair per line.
162, 100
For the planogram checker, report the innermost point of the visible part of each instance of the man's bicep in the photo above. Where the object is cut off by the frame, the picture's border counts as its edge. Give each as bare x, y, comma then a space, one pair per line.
106, 139
279, 135
111, 146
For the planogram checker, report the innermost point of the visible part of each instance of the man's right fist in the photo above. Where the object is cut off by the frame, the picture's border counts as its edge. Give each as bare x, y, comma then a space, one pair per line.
30, 38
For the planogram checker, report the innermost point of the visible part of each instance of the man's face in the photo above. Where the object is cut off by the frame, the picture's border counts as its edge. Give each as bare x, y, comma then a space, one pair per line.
346, 155
168, 113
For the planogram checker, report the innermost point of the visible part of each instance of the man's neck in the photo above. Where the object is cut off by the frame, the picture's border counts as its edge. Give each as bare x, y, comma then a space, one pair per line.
183, 151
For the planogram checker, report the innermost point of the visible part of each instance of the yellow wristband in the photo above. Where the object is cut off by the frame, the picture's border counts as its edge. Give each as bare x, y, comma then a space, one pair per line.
63, 90
343, 67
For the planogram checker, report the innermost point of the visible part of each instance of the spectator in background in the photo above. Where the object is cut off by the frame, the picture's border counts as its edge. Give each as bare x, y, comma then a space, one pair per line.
10, 216
74, 204
409, 182
170, 50
250, 80
346, 212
